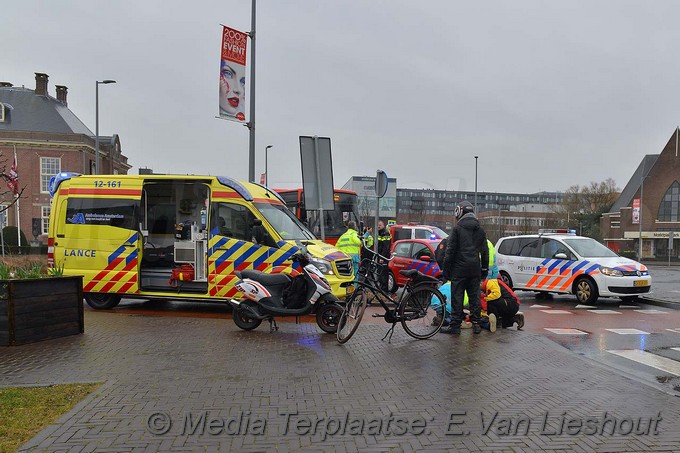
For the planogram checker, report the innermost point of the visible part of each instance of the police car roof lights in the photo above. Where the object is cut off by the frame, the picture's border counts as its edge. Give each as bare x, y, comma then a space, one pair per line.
556, 231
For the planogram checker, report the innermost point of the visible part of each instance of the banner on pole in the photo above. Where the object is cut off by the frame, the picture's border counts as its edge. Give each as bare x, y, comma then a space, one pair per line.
233, 75
636, 211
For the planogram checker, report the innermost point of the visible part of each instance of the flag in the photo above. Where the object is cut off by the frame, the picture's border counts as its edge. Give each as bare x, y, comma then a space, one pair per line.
13, 177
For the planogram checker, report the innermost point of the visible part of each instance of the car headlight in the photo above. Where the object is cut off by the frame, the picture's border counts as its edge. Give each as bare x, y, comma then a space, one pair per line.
611, 272
323, 265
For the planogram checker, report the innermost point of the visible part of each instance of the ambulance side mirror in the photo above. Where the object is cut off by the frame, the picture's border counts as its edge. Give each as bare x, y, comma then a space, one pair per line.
144, 233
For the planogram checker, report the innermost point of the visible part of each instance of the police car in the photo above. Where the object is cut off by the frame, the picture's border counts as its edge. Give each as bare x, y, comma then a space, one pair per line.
559, 261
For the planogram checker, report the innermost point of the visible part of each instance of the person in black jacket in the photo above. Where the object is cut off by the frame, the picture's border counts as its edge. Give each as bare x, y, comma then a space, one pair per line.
466, 264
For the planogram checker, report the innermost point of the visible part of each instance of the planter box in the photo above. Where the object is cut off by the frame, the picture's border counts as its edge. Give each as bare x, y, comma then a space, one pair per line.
39, 309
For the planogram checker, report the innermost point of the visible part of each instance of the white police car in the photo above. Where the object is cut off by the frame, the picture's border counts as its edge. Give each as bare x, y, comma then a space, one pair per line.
559, 261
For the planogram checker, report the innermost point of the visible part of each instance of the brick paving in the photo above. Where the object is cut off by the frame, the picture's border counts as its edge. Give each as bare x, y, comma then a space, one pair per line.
223, 389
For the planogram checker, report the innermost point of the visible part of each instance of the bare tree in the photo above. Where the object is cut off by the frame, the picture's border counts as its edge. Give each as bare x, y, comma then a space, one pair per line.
581, 207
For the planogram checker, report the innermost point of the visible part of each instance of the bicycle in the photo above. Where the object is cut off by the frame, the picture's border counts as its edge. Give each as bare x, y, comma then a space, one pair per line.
416, 308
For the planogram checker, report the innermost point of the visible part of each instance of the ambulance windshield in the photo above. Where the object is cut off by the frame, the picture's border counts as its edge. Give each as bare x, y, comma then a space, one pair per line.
283, 221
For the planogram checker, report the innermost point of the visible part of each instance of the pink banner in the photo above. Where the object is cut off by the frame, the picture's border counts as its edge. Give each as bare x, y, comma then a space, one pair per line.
233, 74
636, 211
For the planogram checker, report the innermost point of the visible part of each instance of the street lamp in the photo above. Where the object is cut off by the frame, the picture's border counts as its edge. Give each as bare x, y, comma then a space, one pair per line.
476, 157
266, 175
96, 132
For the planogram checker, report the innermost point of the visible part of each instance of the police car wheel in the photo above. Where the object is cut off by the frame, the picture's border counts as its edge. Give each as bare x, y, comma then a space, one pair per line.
505, 278
101, 301
586, 291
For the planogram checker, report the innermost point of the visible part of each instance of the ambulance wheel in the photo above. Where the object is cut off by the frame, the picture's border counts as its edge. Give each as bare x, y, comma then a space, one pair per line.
328, 317
505, 278
585, 290
244, 321
101, 301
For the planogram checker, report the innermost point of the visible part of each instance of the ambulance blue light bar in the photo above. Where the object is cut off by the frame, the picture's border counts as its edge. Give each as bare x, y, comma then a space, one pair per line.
58, 179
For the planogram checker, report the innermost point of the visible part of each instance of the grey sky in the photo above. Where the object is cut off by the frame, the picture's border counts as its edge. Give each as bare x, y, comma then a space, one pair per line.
547, 94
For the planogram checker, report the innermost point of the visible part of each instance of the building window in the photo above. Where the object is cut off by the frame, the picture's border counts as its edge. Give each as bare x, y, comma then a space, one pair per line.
45, 217
49, 166
669, 208
2, 112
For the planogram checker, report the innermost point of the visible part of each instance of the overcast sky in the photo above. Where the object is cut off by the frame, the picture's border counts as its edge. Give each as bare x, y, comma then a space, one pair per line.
548, 94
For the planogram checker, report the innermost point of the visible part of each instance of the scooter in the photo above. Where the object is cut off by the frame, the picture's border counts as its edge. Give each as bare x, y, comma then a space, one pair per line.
272, 295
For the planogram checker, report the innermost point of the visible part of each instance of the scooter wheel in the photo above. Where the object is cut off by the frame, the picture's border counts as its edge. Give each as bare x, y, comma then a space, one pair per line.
328, 317
244, 321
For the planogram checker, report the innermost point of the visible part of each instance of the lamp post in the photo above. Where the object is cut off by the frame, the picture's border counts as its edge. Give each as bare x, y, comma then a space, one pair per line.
266, 175
96, 132
476, 157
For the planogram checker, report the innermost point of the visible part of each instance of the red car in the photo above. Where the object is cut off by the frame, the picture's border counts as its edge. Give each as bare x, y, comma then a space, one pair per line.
412, 254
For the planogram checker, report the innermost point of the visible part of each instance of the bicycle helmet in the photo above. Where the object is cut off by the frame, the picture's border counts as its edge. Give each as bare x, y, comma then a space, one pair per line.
463, 208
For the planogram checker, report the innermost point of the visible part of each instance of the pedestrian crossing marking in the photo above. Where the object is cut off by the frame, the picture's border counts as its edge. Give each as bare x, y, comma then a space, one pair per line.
557, 312
674, 330
539, 306
605, 312
676, 349
584, 306
565, 331
651, 312
647, 358
628, 331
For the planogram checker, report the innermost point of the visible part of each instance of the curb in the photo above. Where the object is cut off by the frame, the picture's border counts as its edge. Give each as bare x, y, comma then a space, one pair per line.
661, 303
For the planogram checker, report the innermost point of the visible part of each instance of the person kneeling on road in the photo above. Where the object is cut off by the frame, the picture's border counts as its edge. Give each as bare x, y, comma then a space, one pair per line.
501, 303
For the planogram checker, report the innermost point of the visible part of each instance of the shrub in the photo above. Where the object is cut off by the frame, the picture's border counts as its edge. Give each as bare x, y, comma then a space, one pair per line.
632, 254
26, 267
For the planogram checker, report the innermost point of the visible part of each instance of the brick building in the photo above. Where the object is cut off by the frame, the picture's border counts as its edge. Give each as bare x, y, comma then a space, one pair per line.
648, 208
47, 138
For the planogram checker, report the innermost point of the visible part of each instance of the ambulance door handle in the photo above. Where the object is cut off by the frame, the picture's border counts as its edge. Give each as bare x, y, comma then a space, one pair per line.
60, 236
130, 245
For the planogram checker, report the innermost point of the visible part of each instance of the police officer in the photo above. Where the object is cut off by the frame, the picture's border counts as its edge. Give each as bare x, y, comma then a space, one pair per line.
384, 246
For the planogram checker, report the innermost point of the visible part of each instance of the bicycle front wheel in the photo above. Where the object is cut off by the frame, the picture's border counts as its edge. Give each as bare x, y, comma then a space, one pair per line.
418, 311
351, 315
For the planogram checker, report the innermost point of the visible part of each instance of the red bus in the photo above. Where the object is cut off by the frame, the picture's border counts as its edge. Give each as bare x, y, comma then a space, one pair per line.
335, 222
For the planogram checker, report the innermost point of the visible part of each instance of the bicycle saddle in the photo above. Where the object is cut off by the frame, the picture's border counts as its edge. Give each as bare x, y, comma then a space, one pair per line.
417, 275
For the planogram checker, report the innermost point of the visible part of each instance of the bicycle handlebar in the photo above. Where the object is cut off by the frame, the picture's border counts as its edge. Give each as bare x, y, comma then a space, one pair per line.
376, 254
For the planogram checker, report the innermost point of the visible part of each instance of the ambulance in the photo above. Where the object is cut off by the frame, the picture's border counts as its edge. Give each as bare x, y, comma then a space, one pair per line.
175, 236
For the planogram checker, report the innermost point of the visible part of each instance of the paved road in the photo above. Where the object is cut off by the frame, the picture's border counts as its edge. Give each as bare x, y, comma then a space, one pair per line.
222, 389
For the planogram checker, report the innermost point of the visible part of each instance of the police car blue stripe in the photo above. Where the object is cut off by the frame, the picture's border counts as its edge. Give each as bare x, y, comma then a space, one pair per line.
579, 266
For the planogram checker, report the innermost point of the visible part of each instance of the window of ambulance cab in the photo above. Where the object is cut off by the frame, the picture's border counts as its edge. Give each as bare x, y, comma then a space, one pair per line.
284, 222
231, 220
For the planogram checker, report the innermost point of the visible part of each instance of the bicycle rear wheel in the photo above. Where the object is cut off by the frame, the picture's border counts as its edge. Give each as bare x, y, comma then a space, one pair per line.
351, 315
418, 312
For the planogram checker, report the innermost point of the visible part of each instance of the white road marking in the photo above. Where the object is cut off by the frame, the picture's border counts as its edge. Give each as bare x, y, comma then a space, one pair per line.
538, 306
651, 312
557, 312
628, 331
676, 349
566, 331
647, 358
585, 306
605, 312
674, 330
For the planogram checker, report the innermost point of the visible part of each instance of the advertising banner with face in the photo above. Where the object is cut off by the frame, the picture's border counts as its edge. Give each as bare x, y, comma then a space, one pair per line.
636, 210
233, 75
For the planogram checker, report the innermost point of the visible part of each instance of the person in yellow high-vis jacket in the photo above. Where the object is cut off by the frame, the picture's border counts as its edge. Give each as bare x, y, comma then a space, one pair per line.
350, 243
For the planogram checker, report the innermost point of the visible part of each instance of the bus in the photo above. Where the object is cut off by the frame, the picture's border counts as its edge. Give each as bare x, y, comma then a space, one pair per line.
335, 222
